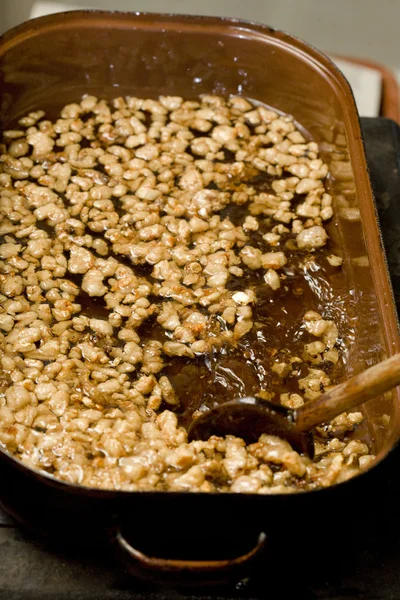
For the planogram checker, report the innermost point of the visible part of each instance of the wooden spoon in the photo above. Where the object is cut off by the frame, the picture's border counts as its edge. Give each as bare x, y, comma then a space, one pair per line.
249, 417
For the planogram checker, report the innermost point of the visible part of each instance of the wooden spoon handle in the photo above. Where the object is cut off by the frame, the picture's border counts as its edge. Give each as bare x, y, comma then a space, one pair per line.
347, 395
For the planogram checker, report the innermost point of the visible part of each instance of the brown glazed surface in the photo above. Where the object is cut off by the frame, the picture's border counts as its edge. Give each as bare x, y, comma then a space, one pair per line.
49, 62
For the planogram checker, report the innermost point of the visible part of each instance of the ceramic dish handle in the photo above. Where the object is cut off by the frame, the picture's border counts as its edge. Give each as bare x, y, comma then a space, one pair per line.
186, 572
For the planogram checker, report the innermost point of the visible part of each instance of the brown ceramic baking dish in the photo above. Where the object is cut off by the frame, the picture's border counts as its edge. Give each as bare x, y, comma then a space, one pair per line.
51, 61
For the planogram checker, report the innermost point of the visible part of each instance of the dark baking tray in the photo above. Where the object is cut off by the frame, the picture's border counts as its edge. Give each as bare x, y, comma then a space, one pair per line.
340, 564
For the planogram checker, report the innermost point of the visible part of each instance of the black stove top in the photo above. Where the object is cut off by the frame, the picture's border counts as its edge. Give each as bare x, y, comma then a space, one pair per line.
31, 568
